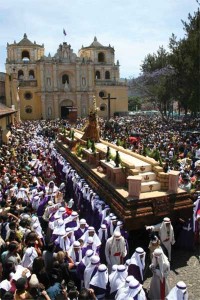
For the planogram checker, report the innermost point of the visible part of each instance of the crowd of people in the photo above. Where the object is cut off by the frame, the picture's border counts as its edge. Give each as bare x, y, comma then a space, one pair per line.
60, 240
176, 144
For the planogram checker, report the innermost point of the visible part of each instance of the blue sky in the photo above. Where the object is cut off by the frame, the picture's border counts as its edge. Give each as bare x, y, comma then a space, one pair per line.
134, 27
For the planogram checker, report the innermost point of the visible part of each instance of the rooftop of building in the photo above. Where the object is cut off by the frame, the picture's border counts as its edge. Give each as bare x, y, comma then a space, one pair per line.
26, 42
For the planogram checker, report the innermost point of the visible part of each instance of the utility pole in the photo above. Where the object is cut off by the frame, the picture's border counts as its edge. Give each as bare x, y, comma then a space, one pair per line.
109, 98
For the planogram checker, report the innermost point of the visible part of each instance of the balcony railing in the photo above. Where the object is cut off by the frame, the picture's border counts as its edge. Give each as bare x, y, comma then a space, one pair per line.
108, 82
28, 83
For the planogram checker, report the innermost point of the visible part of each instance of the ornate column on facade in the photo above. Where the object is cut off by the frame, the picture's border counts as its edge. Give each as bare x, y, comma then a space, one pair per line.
90, 101
43, 107
90, 78
16, 98
55, 86
78, 77
78, 101
42, 77
56, 106
18, 107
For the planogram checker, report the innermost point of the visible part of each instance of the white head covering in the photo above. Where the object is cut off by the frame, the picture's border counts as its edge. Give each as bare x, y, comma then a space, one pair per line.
161, 260
166, 232
114, 269
104, 211
38, 230
90, 240
118, 280
71, 251
85, 237
64, 241
58, 214
73, 215
35, 202
102, 229
22, 194
100, 279
87, 258
35, 220
59, 227
134, 288
108, 218
111, 227
28, 258
52, 189
136, 259
124, 288
117, 243
82, 221
179, 292
95, 260
119, 225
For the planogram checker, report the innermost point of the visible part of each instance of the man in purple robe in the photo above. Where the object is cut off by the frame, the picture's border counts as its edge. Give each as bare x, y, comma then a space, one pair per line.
81, 230
83, 264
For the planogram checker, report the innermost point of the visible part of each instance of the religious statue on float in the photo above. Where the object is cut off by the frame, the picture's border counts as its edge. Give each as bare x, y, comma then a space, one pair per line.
92, 129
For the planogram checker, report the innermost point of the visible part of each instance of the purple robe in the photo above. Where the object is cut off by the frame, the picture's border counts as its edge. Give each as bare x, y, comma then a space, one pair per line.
84, 250
80, 270
135, 271
71, 224
41, 207
78, 233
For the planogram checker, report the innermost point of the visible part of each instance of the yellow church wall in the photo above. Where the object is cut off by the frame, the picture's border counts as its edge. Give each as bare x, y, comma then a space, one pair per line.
47, 89
116, 105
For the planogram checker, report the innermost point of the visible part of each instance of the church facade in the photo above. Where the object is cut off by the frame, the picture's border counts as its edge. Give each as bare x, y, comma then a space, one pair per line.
63, 85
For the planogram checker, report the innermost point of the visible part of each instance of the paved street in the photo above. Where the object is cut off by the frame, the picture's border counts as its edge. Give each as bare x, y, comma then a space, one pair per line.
184, 266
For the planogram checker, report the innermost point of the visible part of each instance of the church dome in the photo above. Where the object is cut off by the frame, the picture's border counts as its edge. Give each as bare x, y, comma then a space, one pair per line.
95, 43
25, 41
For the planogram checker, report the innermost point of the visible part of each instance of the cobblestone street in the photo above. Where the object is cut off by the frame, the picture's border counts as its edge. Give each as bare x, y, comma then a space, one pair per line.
185, 266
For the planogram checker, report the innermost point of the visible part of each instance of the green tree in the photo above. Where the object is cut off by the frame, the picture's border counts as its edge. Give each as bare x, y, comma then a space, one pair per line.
155, 61
185, 59
134, 103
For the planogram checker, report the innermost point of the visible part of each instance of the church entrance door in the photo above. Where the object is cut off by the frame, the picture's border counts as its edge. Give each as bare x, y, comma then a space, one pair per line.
65, 112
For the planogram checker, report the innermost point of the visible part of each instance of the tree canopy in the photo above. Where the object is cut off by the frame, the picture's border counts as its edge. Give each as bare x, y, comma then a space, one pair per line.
174, 75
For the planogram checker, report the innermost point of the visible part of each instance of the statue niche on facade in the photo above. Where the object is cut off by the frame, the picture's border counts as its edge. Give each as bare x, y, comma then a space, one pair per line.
92, 129
66, 86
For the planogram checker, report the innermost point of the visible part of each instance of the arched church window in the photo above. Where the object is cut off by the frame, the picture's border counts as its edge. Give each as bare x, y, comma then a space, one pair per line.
31, 74
25, 55
101, 57
20, 74
28, 109
65, 78
107, 75
97, 75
